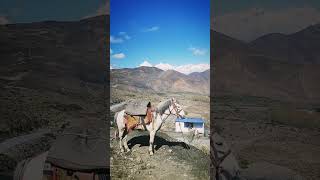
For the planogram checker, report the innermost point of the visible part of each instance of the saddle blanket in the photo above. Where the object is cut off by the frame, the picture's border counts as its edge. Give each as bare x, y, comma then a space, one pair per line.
135, 122
131, 121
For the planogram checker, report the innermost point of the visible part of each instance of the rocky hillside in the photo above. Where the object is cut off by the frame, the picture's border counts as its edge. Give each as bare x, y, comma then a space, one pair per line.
52, 76
49, 69
277, 66
301, 47
156, 80
172, 159
29, 53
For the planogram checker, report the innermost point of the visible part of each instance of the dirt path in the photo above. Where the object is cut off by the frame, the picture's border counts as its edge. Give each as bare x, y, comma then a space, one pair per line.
172, 159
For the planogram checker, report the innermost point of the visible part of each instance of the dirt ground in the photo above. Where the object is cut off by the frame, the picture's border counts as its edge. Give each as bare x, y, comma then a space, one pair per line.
255, 137
172, 159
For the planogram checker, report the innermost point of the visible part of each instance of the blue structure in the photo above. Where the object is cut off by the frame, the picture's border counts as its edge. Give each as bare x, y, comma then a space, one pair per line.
190, 120
188, 124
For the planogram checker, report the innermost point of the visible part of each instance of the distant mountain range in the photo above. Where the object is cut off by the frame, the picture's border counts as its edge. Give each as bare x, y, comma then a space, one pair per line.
301, 47
54, 55
279, 66
156, 80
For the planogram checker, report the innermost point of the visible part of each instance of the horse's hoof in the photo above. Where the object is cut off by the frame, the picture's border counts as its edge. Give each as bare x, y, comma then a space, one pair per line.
151, 153
128, 150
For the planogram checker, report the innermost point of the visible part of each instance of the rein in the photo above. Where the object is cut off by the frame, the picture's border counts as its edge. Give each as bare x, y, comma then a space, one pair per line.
174, 108
165, 114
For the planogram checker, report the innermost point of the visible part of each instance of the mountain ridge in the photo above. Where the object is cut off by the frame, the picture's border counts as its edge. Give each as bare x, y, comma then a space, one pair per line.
157, 80
261, 70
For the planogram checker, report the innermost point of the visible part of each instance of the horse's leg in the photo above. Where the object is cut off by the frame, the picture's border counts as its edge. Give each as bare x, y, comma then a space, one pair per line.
152, 134
125, 143
121, 131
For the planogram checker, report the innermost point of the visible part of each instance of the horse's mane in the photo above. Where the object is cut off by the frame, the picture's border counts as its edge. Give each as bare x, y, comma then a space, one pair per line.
163, 106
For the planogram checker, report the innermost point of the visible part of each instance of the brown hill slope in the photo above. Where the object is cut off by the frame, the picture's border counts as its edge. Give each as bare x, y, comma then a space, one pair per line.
155, 80
301, 47
243, 70
29, 52
50, 69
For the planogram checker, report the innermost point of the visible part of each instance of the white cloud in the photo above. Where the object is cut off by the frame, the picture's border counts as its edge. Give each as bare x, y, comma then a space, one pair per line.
197, 51
250, 24
119, 56
114, 66
111, 51
114, 39
153, 28
164, 66
3, 20
185, 69
124, 35
121, 38
190, 68
146, 63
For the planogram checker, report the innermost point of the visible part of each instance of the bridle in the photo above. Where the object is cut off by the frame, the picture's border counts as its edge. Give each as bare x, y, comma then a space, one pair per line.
176, 109
174, 106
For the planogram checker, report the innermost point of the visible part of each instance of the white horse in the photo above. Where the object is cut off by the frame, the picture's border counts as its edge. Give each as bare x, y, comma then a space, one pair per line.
162, 112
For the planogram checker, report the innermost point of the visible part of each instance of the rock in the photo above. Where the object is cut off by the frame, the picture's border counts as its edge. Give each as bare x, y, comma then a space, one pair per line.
170, 150
139, 160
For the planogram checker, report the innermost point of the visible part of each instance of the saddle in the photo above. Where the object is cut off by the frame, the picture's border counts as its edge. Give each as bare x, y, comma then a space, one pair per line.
138, 121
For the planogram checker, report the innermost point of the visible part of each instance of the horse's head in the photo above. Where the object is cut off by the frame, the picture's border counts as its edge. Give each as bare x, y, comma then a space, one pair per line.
176, 108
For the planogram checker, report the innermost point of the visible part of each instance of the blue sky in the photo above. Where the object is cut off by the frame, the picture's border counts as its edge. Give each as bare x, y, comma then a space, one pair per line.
171, 32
